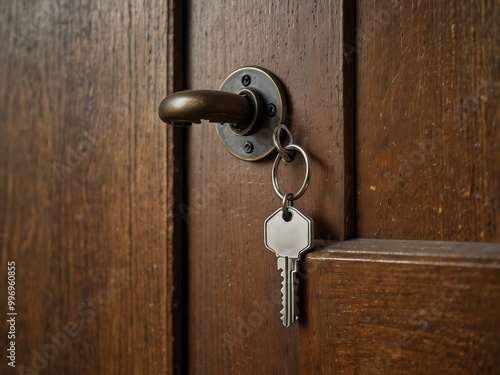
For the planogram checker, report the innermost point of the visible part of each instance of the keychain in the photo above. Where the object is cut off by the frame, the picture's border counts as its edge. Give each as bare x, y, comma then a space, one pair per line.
288, 232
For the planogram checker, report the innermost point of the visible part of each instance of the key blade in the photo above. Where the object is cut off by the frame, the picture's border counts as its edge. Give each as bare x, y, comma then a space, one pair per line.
288, 290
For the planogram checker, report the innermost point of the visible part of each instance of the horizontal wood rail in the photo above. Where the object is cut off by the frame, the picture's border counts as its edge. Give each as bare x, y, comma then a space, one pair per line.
387, 307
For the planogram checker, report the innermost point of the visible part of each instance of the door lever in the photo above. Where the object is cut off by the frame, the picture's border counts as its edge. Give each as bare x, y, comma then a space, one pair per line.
242, 110
186, 107
250, 103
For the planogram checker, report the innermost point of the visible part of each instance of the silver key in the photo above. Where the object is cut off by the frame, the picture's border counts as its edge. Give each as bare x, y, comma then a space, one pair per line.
289, 240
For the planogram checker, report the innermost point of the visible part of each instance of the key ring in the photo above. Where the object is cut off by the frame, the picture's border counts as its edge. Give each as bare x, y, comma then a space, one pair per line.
305, 184
288, 157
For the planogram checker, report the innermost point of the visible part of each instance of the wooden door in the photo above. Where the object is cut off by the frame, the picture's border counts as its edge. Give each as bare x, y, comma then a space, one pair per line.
396, 102
87, 176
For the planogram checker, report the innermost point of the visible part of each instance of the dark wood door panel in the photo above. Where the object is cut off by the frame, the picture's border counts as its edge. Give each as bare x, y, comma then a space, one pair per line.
401, 307
87, 185
230, 272
427, 139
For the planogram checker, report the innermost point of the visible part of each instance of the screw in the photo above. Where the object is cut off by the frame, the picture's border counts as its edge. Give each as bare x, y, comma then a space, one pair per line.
246, 80
271, 110
248, 147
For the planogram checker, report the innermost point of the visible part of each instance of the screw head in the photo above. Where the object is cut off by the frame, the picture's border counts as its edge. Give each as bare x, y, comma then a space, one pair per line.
248, 147
271, 110
246, 80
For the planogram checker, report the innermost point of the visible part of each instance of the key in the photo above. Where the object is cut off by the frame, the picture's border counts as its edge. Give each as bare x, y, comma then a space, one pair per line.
289, 240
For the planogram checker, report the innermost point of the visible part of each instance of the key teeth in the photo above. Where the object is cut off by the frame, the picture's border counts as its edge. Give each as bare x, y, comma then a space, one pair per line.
284, 267
286, 323
283, 291
283, 307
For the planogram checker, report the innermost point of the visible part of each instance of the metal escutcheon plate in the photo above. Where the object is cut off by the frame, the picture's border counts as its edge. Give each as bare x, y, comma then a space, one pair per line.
259, 144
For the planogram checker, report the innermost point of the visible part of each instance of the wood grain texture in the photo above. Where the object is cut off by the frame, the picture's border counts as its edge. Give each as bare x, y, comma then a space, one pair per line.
87, 184
400, 307
234, 324
427, 139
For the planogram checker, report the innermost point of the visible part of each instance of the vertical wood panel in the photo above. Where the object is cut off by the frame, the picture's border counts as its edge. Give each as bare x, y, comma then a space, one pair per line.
87, 183
232, 276
427, 139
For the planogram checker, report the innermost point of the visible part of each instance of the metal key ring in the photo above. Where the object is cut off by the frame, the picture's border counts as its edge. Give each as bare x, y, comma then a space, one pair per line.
285, 203
307, 178
277, 143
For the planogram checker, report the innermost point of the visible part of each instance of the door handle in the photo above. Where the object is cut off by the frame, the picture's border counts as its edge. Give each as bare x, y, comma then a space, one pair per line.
241, 111
248, 106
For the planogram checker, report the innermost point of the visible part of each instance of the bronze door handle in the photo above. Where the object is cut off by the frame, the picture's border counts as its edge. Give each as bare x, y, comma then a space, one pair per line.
242, 110
249, 105
192, 106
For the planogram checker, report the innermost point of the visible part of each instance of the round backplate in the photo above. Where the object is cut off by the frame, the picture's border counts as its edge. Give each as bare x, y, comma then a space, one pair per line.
259, 144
